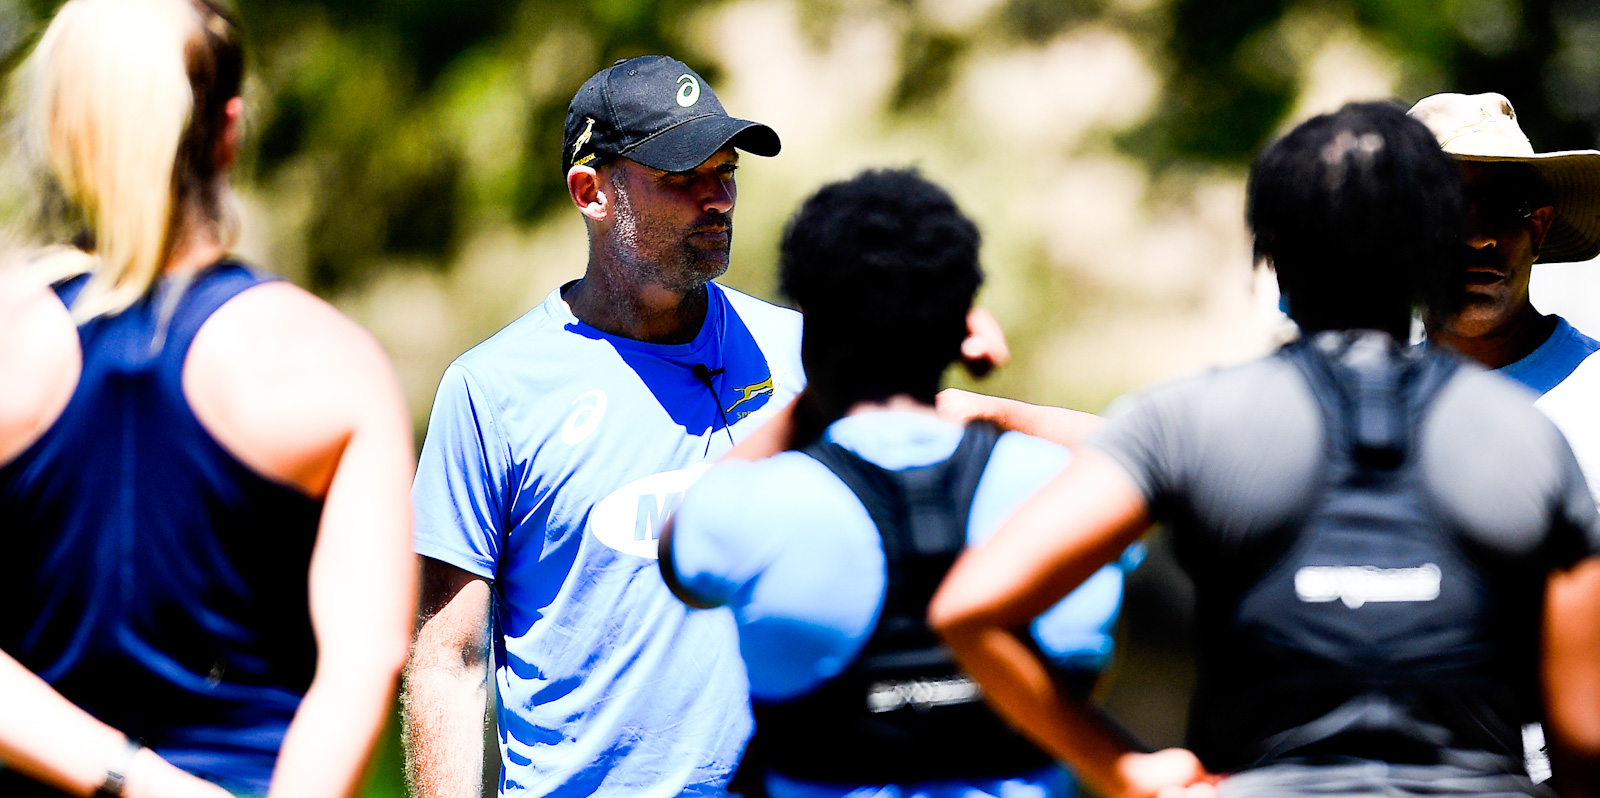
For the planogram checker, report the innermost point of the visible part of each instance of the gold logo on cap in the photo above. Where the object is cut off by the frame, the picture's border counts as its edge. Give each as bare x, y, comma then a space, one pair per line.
583, 138
688, 90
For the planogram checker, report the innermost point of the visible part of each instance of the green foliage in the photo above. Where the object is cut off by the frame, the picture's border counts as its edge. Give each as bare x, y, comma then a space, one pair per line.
382, 106
405, 123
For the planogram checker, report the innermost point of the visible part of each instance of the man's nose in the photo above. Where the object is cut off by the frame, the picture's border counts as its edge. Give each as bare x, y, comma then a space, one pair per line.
1479, 236
718, 195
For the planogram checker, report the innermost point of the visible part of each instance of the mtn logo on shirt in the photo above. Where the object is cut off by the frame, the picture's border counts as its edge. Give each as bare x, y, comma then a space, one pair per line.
629, 520
1357, 585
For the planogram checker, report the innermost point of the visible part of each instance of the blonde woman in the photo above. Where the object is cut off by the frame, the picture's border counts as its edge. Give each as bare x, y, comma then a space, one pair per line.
206, 576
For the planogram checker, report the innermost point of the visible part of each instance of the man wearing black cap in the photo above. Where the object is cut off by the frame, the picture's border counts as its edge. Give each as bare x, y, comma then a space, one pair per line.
556, 447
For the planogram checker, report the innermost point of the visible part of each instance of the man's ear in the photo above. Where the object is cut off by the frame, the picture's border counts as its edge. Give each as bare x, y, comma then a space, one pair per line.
1541, 218
588, 192
984, 348
232, 128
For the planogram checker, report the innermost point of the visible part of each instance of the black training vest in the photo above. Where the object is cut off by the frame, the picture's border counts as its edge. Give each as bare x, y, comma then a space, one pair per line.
1370, 628
902, 711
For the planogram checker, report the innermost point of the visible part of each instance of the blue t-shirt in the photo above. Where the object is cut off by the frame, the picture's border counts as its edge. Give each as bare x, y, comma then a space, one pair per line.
553, 452
1555, 359
790, 549
1566, 376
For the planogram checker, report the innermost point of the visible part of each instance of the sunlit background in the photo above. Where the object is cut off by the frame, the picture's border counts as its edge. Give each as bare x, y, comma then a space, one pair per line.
404, 165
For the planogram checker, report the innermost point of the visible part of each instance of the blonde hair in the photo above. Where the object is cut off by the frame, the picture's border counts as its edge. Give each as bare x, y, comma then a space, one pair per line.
120, 106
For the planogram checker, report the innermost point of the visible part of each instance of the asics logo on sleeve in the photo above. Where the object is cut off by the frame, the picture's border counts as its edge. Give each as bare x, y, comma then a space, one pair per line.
629, 520
591, 408
1357, 585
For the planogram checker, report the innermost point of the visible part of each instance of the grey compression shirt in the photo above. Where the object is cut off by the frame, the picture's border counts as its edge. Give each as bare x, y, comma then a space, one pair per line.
1386, 612
1227, 455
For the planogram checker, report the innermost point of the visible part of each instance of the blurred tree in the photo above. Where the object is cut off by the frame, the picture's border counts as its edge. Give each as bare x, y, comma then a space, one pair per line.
376, 108
1222, 101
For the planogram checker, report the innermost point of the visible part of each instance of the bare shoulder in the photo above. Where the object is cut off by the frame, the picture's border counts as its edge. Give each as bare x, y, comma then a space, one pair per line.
283, 380
39, 358
280, 332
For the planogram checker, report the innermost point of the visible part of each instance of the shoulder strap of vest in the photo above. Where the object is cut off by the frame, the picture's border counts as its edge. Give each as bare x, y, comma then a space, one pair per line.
1370, 409
871, 485
919, 512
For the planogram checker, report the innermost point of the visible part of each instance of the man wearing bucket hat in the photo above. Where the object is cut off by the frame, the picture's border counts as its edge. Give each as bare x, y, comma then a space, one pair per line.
1527, 206
555, 449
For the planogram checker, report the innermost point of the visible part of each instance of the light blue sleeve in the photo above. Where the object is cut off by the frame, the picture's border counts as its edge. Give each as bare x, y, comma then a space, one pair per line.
715, 556
1076, 633
460, 488
786, 546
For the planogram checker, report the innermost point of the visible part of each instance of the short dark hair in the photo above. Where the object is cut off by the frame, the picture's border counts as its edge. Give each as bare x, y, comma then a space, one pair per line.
885, 267
1361, 215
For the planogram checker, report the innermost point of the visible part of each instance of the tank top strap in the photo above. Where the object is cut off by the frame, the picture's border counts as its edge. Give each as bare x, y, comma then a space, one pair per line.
68, 288
202, 295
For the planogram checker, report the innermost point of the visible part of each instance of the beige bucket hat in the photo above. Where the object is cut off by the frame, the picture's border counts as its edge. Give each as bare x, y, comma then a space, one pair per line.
1483, 127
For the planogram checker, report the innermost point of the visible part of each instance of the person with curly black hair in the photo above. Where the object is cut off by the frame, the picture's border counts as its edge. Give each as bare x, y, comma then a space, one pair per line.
828, 555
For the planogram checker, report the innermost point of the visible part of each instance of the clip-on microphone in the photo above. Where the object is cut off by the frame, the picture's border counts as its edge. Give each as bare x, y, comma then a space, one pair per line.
704, 375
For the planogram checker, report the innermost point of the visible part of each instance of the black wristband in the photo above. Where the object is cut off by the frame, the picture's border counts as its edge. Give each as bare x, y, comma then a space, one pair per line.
117, 773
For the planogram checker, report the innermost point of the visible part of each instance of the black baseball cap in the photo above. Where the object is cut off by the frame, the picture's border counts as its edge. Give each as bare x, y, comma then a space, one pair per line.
656, 111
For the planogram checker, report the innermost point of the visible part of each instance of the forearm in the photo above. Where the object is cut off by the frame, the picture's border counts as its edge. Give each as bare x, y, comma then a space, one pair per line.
48, 738
1570, 665
445, 712
1019, 686
446, 684
332, 737
1055, 424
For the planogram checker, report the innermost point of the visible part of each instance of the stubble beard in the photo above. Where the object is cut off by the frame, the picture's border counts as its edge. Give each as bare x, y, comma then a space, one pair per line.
656, 252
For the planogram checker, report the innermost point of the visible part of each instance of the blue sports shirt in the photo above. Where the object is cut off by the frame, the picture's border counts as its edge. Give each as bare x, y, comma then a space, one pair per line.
793, 552
1554, 361
553, 453
1566, 376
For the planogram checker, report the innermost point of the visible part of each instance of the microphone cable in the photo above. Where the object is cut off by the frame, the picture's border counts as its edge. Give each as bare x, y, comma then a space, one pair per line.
704, 375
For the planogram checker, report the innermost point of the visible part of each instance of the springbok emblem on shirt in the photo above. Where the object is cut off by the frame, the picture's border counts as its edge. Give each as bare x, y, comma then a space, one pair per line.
749, 392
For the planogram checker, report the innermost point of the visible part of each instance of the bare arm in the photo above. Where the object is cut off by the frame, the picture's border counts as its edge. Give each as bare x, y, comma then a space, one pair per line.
1055, 424
1571, 674
362, 589
1078, 522
39, 359
304, 395
446, 697
47, 738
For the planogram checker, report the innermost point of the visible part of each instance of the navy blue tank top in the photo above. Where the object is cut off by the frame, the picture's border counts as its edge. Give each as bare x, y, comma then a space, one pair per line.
147, 574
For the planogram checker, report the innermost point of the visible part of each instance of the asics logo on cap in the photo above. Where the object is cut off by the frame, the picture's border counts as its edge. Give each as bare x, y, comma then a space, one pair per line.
688, 90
